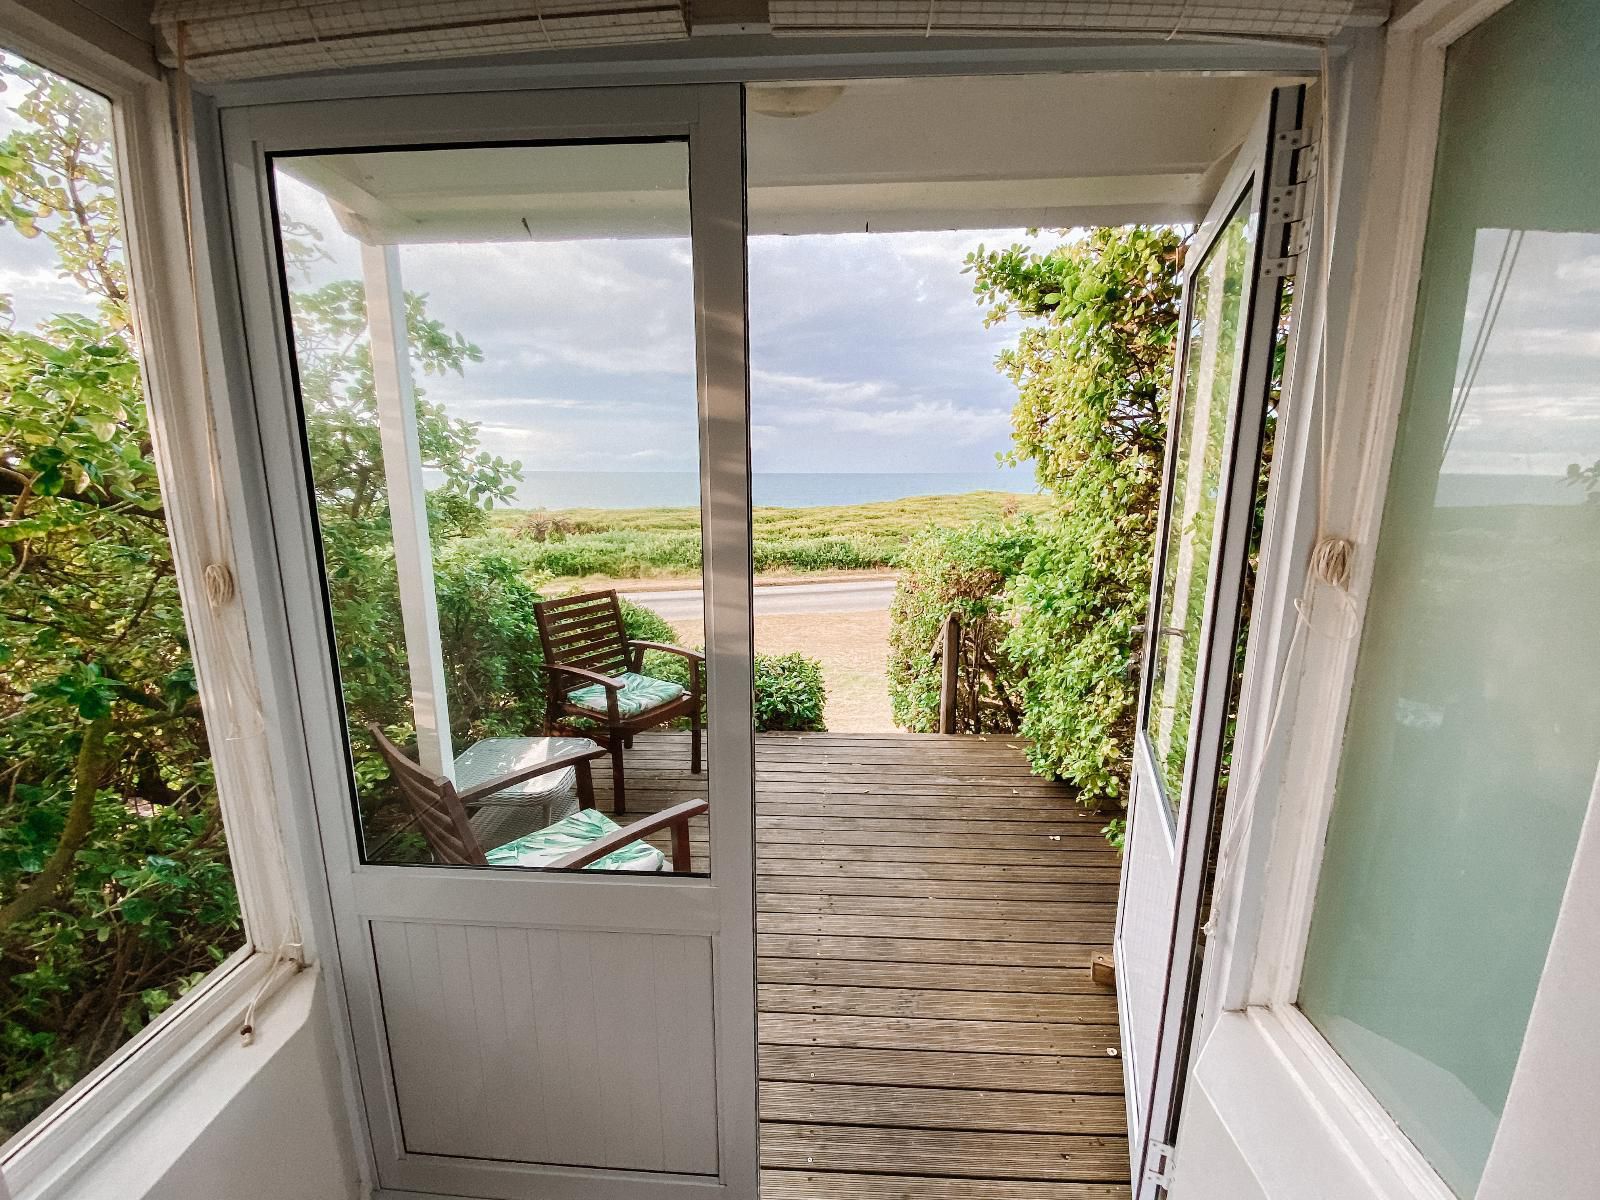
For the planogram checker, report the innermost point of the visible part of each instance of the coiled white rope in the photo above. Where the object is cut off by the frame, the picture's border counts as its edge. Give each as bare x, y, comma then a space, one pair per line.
246, 718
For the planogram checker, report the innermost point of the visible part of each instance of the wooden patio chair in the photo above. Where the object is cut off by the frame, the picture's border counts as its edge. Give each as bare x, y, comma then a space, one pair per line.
595, 671
586, 840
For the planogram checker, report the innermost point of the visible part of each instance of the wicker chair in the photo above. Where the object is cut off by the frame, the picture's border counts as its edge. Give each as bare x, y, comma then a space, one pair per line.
595, 672
587, 839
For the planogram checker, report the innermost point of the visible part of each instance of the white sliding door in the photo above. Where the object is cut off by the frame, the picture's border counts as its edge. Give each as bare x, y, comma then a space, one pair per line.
520, 1031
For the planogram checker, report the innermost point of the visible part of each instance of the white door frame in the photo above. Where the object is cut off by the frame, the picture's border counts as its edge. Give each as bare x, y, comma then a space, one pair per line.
1169, 837
1270, 1101
720, 907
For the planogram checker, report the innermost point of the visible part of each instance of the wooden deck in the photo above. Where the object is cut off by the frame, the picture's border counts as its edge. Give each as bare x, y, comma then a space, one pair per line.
926, 913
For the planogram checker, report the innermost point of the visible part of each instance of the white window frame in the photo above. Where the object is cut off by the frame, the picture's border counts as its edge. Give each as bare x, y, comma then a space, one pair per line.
231, 645
1267, 1053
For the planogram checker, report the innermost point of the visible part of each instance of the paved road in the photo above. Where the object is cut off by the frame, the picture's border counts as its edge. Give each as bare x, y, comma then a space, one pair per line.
780, 599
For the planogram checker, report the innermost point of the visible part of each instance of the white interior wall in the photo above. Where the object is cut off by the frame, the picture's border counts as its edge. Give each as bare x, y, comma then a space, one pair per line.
257, 1122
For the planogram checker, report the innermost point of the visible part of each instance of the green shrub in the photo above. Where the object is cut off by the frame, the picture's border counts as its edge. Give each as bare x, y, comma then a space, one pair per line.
790, 694
489, 639
943, 571
1092, 366
1075, 603
643, 542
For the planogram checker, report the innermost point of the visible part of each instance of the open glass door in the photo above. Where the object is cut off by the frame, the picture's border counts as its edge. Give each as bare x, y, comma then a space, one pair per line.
535, 798
1232, 300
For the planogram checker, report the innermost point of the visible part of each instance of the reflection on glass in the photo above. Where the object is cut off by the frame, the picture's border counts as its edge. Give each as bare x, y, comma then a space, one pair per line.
1211, 367
495, 356
1474, 731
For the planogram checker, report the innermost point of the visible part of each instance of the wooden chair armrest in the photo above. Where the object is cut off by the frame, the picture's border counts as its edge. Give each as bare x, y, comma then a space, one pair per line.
676, 817
691, 655
502, 782
610, 682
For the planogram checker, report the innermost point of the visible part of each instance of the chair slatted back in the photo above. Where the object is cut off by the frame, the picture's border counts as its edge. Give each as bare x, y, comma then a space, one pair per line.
440, 814
584, 631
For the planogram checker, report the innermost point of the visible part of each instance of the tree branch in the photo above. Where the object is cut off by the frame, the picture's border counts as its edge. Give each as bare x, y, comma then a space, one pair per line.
80, 821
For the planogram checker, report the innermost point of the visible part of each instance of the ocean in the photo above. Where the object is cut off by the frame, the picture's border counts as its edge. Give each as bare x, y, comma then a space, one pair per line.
680, 489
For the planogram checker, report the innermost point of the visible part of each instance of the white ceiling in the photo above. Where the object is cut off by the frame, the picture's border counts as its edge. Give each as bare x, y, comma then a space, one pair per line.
905, 154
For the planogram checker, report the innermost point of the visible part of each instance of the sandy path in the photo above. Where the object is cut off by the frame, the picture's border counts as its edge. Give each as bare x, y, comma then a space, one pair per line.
853, 649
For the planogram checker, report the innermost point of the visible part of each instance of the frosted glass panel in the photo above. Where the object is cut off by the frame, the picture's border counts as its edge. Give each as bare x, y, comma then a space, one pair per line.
1474, 731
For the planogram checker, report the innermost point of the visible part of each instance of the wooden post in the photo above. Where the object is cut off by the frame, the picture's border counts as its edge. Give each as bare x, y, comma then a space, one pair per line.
950, 672
408, 514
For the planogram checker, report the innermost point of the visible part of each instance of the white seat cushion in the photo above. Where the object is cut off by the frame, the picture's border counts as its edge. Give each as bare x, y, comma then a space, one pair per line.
526, 806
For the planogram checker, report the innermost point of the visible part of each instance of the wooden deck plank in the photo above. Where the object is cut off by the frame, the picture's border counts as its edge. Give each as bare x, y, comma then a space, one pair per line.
954, 977
931, 1033
1026, 873
1036, 859
1093, 1008
817, 1185
772, 885
885, 906
929, 950
943, 1108
959, 1153
907, 833
835, 925
938, 1068
927, 910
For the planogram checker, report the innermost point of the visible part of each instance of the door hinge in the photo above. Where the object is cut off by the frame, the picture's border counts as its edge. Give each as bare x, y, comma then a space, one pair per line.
1279, 268
1285, 227
1161, 1167
1287, 204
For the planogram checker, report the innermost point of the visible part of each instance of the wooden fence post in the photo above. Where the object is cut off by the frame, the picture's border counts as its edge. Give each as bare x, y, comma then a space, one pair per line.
950, 672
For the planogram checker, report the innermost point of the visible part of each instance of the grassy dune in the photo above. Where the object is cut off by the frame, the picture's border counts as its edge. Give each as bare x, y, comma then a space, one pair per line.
636, 543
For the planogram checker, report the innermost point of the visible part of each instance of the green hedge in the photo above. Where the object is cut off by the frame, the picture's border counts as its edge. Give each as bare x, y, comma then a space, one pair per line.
632, 553
1058, 619
949, 570
1075, 600
790, 694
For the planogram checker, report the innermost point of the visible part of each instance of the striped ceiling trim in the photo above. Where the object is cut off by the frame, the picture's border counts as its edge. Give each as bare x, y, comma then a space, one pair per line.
243, 39
1316, 19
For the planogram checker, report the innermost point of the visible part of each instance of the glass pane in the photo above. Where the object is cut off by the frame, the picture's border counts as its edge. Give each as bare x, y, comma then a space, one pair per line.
1211, 369
496, 359
1474, 730
116, 894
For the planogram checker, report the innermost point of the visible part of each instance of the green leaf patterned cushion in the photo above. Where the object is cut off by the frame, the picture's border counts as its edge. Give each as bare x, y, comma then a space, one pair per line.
639, 693
541, 848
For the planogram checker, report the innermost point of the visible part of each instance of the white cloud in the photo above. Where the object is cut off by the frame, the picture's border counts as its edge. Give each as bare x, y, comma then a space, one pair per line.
868, 351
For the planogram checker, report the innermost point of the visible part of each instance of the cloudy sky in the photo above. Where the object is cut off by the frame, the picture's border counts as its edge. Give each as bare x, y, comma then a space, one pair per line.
1527, 375
868, 351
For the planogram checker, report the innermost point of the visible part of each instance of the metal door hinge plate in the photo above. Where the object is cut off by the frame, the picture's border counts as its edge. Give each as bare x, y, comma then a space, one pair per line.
1162, 1166
1287, 204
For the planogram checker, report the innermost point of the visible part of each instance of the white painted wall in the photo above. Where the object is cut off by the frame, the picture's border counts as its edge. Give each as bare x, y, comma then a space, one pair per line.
258, 1122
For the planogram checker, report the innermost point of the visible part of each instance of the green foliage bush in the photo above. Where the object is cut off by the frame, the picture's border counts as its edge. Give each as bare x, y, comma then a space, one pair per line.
115, 891
1058, 596
643, 542
790, 694
1093, 372
1092, 366
943, 571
